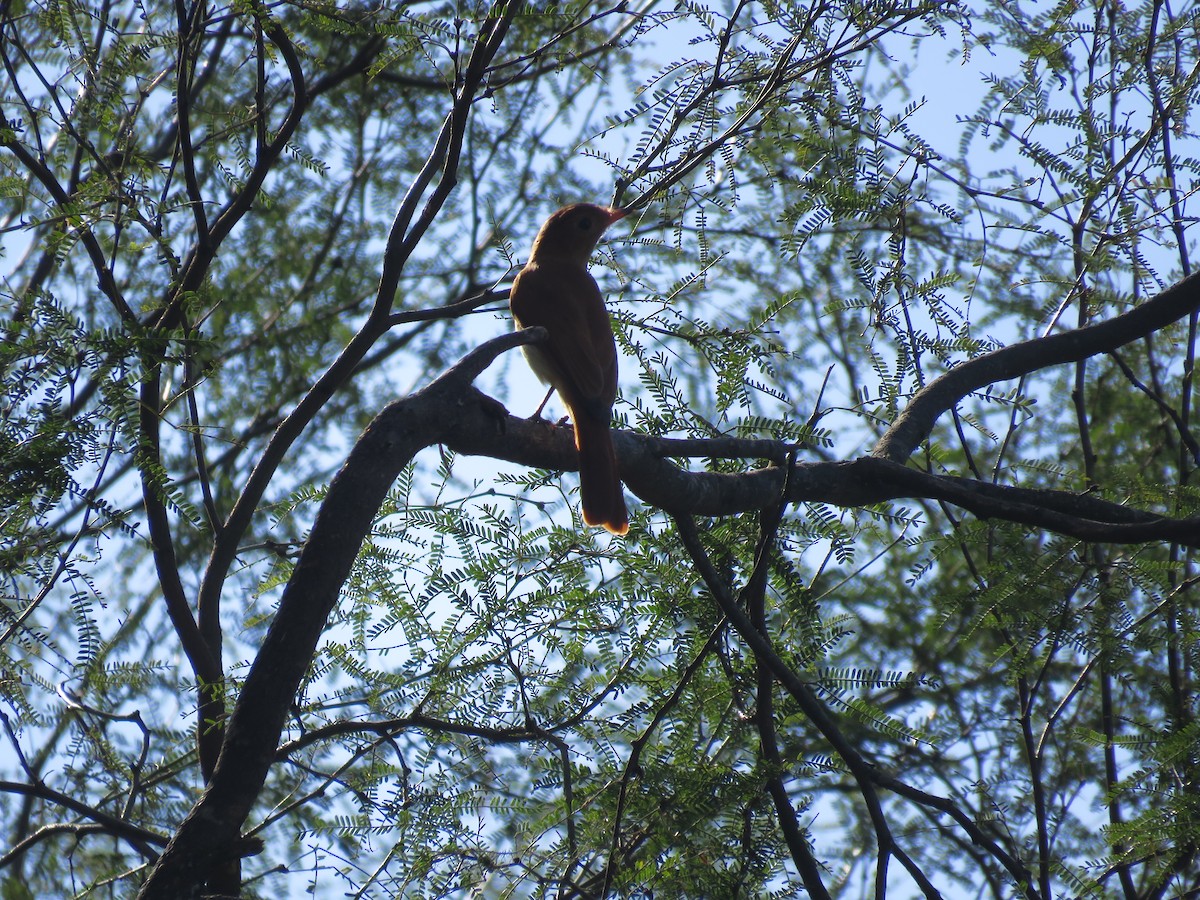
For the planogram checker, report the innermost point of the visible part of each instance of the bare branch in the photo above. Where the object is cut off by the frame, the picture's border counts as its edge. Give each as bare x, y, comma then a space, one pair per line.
916, 422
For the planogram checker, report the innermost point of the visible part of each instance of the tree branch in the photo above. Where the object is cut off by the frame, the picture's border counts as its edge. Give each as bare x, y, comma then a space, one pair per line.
452, 412
210, 831
753, 596
110, 824
402, 240
866, 773
915, 423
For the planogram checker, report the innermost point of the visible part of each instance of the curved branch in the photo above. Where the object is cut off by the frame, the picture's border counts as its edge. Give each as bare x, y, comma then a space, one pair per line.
269, 154
753, 597
210, 831
915, 423
868, 775
452, 412
104, 275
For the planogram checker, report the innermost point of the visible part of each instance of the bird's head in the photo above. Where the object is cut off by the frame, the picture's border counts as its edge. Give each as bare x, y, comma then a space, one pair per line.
572, 232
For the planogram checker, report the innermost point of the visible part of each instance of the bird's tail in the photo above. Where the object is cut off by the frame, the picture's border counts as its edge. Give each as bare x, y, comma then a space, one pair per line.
600, 491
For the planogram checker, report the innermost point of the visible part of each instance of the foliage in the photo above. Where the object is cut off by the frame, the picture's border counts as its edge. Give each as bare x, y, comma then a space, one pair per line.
236, 235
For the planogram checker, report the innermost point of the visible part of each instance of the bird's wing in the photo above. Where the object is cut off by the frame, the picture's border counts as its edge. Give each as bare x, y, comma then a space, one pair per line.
566, 302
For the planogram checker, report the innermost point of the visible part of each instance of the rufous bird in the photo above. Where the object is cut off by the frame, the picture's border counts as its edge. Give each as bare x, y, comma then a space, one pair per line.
579, 357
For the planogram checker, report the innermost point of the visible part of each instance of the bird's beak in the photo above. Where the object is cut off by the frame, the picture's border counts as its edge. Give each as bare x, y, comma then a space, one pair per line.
615, 214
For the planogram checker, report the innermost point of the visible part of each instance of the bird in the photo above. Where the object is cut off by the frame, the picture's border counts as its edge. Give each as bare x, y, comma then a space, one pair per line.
579, 356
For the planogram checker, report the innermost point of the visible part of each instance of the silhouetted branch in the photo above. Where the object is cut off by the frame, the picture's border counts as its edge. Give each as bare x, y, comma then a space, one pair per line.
915, 423
450, 411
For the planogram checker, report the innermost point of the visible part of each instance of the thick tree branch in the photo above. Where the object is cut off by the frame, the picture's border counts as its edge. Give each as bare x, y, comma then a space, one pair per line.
859, 482
210, 831
452, 412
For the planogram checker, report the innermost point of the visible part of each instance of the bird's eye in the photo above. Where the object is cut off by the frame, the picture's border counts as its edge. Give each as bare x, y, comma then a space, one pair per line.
585, 224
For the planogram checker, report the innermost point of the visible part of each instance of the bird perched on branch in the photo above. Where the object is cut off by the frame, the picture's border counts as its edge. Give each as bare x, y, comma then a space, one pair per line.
579, 358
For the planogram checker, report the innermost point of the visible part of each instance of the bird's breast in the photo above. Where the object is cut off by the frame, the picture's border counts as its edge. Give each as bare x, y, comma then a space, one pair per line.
541, 365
